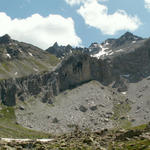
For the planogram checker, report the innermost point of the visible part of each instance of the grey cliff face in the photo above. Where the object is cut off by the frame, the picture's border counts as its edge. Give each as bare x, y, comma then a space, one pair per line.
134, 63
76, 70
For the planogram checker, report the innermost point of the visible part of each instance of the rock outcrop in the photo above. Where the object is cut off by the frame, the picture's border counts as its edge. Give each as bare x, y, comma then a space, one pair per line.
73, 71
134, 63
109, 47
77, 69
129, 66
5, 39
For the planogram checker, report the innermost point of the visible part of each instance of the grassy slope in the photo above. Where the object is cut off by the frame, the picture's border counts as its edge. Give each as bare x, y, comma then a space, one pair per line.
10, 128
26, 66
23, 63
121, 110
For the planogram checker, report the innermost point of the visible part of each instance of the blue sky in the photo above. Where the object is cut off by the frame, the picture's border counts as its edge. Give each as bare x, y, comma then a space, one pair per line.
75, 22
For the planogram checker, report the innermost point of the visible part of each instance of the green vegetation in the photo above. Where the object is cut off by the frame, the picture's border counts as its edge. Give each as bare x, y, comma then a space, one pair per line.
23, 65
38, 64
120, 110
140, 142
135, 144
87, 140
2, 71
53, 60
10, 128
6, 66
141, 127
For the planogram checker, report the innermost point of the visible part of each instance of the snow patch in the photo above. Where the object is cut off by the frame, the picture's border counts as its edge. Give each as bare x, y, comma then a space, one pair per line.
90, 49
103, 52
125, 75
30, 54
124, 93
133, 42
107, 43
8, 55
20, 50
35, 69
110, 53
44, 140
16, 140
120, 50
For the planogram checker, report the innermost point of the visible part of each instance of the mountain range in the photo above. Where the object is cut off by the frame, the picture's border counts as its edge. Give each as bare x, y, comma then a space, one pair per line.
18, 59
108, 47
103, 86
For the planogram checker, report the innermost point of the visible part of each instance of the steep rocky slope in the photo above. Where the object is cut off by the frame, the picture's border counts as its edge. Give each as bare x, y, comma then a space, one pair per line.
127, 72
63, 51
110, 47
58, 100
91, 105
73, 71
19, 59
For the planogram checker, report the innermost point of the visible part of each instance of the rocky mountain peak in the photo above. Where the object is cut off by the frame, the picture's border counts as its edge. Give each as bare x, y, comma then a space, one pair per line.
55, 45
95, 44
130, 36
69, 46
126, 39
5, 39
109, 47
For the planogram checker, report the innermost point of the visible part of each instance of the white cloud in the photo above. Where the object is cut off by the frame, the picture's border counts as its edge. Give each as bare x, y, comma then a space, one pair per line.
74, 2
77, 2
40, 31
96, 15
147, 4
